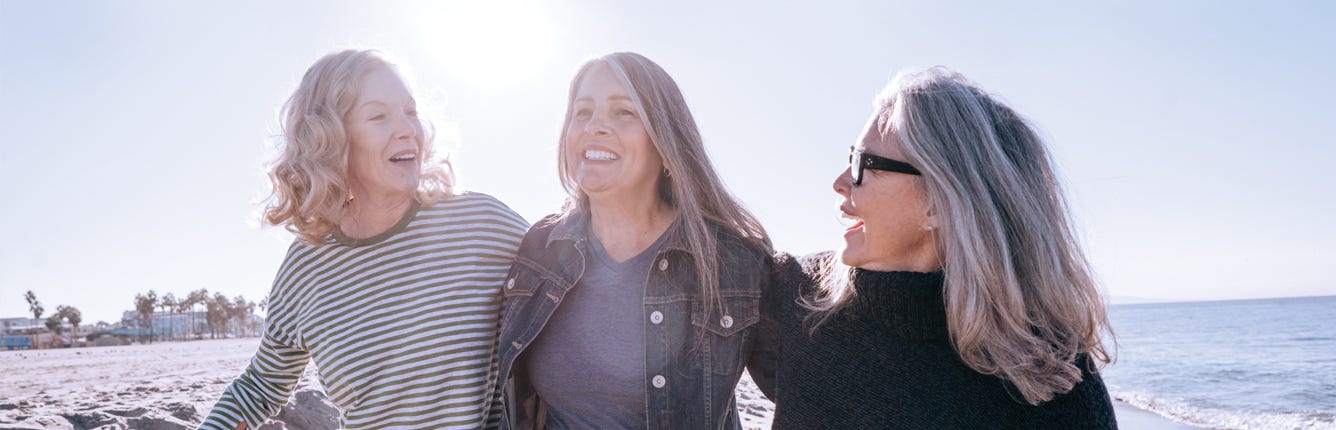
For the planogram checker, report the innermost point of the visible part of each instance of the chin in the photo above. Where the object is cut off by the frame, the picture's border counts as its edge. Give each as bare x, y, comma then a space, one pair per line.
850, 256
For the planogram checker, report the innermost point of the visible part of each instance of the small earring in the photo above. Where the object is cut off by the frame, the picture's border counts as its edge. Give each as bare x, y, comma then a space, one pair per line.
349, 199
667, 173
931, 228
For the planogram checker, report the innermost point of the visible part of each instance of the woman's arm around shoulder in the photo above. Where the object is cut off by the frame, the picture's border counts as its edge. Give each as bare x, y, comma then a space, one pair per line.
779, 305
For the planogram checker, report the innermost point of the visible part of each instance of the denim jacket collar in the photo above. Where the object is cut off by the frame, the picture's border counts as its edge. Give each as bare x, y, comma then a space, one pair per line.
575, 226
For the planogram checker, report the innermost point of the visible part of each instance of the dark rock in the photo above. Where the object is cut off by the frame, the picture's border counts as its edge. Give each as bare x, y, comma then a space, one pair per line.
158, 423
128, 413
92, 420
309, 409
183, 411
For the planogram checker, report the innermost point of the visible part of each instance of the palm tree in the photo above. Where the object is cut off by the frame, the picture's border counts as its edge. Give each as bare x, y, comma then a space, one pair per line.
183, 307
197, 297
241, 311
67, 313
75, 317
144, 304
169, 304
217, 312
53, 324
36, 308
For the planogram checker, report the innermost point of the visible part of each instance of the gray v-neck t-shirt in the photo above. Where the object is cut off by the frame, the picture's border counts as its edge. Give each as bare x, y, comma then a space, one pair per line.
588, 364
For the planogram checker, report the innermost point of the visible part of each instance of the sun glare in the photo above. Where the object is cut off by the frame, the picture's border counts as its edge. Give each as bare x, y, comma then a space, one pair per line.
486, 43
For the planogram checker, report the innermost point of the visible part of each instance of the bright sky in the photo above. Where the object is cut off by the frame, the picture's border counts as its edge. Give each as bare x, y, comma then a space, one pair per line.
1194, 137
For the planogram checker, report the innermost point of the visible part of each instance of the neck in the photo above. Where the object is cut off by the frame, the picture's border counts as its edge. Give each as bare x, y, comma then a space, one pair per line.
373, 214
925, 261
625, 227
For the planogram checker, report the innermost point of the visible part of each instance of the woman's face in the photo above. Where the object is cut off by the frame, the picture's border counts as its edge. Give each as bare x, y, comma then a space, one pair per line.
607, 147
385, 137
888, 211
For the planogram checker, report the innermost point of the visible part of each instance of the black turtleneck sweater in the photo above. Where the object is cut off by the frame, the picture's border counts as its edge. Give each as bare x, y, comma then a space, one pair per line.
886, 361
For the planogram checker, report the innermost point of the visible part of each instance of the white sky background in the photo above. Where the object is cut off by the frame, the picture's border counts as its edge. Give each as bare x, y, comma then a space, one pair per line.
1194, 137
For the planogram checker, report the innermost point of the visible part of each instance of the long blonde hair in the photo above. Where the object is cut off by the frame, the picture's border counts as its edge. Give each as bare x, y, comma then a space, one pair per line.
310, 174
694, 188
1020, 298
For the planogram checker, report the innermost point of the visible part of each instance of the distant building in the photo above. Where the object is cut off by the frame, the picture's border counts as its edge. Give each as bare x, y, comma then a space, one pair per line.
6, 323
171, 325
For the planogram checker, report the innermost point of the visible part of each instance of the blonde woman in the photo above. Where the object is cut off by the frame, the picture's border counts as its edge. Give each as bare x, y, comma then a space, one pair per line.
638, 305
961, 298
392, 286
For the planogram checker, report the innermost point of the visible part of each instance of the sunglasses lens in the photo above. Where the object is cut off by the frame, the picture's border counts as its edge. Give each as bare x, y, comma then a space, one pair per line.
856, 167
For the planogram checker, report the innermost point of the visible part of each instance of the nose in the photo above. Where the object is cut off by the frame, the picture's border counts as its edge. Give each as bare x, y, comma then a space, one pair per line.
844, 182
595, 126
407, 127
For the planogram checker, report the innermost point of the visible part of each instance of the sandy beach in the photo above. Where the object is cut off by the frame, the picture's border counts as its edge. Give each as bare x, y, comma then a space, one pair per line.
172, 385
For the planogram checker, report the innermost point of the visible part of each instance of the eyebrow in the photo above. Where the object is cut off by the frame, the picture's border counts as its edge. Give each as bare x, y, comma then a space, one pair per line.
618, 97
411, 102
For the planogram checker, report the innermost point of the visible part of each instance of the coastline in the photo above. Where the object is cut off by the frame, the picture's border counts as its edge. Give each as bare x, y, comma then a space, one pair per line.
1132, 417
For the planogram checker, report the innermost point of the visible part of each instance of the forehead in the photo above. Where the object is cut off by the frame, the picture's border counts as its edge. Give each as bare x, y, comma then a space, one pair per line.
382, 84
879, 136
599, 82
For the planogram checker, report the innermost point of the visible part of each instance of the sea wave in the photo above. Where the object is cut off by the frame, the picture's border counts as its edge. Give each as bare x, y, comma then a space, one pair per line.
1181, 411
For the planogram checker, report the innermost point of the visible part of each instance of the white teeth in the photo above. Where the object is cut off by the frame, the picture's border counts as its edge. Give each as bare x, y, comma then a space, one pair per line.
404, 157
594, 154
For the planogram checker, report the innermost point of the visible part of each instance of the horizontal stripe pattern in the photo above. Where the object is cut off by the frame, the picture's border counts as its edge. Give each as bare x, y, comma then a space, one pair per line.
402, 331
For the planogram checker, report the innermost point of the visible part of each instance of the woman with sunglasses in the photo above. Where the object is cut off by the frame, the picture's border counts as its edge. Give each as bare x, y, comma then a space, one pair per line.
961, 298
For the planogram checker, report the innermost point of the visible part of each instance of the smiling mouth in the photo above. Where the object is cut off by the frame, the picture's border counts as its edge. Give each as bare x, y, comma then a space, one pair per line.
849, 221
598, 155
403, 158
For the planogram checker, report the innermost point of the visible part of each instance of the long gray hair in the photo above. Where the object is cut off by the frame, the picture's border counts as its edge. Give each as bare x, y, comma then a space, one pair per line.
694, 188
1021, 300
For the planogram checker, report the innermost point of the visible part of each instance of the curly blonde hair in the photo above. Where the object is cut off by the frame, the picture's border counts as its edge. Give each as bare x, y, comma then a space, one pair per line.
310, 174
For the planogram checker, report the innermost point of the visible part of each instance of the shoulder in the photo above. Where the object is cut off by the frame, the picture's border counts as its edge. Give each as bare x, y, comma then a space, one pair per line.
536, 236
734, 249
301, 259
795, 270
1087, 405
477, 207
792, 276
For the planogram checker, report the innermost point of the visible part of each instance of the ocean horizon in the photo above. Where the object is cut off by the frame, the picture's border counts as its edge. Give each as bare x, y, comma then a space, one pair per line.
1245, 364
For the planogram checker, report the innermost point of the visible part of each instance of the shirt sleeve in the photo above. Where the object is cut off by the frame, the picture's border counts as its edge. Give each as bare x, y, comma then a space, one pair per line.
263, 387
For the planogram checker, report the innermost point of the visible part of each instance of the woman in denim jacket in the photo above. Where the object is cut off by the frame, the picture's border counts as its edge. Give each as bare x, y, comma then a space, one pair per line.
637, 306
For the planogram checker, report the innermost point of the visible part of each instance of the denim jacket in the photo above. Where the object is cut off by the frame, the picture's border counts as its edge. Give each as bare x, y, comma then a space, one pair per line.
689, 380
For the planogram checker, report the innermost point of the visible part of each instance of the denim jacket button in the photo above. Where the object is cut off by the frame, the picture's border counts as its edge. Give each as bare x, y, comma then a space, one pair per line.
663, 264
726, 321
659, 381
510, 285
656, 317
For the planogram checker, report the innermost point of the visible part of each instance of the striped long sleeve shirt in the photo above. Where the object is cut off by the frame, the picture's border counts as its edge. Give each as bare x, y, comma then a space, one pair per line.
401, 326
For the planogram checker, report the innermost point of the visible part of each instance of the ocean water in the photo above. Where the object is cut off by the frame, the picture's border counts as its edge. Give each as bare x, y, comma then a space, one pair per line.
1247, 364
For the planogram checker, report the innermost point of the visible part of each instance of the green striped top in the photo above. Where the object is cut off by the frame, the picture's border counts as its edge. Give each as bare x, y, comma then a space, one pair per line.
401, 326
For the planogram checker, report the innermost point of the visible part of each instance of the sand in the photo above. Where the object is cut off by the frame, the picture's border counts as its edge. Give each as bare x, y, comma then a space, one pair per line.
172, 385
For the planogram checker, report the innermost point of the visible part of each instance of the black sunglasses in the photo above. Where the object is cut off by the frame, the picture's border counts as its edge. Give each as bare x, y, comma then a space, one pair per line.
859, 160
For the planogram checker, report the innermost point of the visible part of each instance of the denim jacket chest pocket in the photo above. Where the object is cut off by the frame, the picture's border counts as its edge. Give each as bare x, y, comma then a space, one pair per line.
527, 293
726, 334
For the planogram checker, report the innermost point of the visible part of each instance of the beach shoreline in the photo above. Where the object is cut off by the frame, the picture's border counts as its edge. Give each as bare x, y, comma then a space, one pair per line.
173, 385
